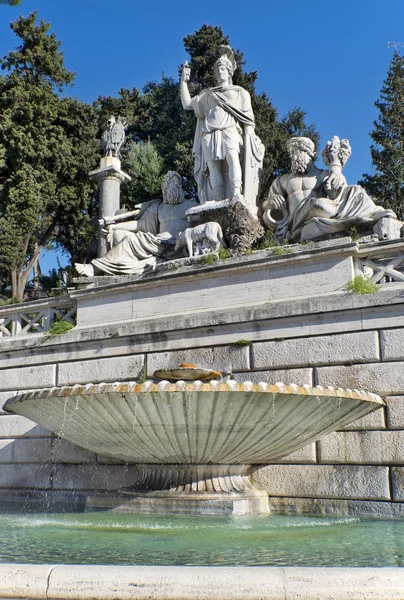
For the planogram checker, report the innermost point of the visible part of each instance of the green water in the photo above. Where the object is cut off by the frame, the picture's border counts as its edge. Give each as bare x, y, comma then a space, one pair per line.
128, 539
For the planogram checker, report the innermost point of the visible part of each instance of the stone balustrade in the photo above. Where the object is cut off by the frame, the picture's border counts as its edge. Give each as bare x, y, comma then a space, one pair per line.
37, 316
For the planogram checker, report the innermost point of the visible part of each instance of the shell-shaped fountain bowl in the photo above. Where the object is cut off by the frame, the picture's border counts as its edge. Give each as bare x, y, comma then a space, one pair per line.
193, 423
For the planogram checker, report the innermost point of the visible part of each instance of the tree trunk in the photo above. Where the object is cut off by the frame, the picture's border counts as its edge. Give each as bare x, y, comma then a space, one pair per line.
19, 276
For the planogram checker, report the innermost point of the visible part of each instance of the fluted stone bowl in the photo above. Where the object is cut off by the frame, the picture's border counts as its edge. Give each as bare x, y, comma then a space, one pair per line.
193, 423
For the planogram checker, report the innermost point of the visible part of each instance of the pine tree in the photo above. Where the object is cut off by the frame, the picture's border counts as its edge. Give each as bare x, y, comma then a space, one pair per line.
47, 146
386, 184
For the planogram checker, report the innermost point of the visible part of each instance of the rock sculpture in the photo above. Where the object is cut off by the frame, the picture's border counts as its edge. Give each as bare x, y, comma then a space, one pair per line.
113, 136
140, 244
225, 133
309, 202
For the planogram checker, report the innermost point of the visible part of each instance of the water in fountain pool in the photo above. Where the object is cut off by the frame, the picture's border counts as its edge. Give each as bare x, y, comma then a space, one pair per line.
130, 539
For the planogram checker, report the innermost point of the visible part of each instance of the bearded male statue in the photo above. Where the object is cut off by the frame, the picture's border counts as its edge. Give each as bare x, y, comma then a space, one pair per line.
228, 155
138, 245
309, 202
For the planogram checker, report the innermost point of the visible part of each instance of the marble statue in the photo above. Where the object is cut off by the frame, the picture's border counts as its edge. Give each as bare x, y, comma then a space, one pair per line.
113, 136
228, 155
138, 245
201, 239
309, 202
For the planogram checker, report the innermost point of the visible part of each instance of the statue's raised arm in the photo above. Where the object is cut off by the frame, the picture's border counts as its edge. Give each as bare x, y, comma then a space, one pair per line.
228, 155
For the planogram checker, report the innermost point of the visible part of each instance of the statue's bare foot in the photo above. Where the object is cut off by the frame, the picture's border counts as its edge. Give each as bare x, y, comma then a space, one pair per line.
83, 269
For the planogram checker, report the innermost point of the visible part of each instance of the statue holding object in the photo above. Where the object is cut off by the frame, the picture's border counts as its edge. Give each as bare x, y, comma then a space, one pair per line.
309, 203
228, 155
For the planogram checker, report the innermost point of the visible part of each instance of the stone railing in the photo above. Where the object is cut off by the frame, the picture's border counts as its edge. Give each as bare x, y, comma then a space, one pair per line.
37, 316
382, 263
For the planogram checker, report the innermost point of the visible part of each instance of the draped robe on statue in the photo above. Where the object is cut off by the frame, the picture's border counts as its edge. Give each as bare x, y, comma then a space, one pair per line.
221, 112
140, 249
352, 206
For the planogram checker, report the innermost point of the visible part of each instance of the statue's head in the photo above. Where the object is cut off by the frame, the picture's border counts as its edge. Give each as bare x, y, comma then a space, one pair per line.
225, 65
172, 188
111, 122
302, 151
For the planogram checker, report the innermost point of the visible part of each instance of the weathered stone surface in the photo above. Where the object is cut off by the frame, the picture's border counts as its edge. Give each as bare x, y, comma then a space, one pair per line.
305, 455
392, 344
240, 228
395, 412
65, 452
380, 378
32, 451
388, 229
26, 378
24, 581
350, 482
288, 376
327, 507
397, 483
92, 582
12, 426
7, 451
26, 476
4, 396
92, 477
321, 350
221, 358
96, 371
374, 420
362, 447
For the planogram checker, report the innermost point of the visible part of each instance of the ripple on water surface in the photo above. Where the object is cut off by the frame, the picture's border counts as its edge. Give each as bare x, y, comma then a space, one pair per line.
129, 539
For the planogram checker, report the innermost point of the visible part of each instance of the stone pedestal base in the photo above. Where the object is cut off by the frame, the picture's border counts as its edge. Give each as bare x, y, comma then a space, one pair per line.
240, 228
187, 489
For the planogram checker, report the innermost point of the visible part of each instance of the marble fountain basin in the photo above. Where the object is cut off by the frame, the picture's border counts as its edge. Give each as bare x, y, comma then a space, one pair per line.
193, 423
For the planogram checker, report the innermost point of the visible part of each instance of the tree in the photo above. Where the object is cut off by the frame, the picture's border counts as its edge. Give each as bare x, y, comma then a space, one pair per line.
386, 184
144, 164
11, 2
47, 145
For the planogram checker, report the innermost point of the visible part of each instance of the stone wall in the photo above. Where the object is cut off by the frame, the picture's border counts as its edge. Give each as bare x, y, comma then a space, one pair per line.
334, 338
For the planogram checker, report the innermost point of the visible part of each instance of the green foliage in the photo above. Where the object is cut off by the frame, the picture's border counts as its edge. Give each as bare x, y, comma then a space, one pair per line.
47, 147
223, 253
144, 164
59, 328
242, 343
362, 285
386, 184
267, 241
208, 259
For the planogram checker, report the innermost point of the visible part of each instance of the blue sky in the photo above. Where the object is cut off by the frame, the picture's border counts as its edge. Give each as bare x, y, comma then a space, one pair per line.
330, 58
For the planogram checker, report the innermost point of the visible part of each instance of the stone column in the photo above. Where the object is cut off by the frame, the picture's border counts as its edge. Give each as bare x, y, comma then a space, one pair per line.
110, 176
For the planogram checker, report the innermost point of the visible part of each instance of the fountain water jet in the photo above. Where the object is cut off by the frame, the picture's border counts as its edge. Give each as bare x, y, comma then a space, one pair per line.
195, 443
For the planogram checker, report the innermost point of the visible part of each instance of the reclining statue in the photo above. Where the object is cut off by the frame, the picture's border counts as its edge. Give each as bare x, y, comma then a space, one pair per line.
309, 202
138, 245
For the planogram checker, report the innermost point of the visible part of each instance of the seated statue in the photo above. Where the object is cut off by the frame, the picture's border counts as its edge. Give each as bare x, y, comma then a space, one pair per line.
138, 245
309, 202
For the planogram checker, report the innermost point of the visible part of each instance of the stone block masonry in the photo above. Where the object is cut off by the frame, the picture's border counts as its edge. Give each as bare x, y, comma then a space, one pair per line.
319, 336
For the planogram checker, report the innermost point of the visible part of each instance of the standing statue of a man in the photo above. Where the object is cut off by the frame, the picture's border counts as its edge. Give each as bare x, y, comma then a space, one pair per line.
225, 143
309, 202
